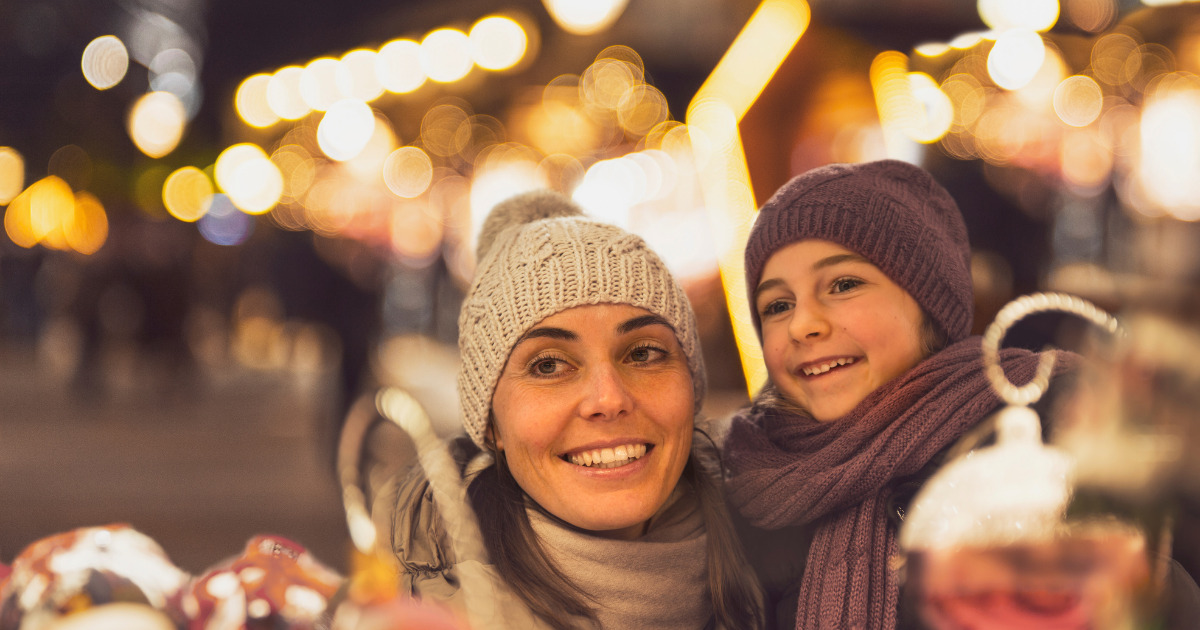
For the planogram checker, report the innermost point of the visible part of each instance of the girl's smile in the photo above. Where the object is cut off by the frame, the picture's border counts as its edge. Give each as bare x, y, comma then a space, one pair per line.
834, 327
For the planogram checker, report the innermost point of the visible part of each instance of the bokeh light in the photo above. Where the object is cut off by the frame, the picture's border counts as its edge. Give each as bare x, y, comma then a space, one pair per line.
1033, 15
299, 170
12, 174
1093, 16
935, 112
368, 164
445, 129
1078, 100
105, 62
251, 181
345, 129
156, 123
1170, 149
319, 85
398, 66
87, 228
642, 108
1015, 58
357, 77
610, 188
283, 93
187, 194
497, 43
408, 172
251, 104
223, 224
446, 55
585, 17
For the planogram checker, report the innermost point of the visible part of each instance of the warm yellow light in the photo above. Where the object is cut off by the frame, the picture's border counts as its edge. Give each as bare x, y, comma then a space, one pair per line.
408, 172
187, 194
38, 214
1033, 15
497, 43
357, 77
607, 81
1170, 149
251, 104
756, 54
446, 55
585, 17
298, 168
12, 174
368, 164
1016, 58
1078, 100
398, 66
319, 83
641, 109
934, 113
966, 40
345, 129
87, 229
252, 182
712, 129
105, 62
932, 49
283, 93
156, 123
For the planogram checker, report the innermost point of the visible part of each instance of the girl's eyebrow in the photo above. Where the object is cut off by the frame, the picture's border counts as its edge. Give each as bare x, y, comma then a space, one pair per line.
828, 261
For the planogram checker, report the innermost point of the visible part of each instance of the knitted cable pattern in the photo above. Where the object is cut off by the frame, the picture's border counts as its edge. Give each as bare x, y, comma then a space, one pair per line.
533, 267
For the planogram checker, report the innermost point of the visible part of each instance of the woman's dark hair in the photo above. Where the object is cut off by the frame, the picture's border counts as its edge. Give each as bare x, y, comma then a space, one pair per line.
514, 549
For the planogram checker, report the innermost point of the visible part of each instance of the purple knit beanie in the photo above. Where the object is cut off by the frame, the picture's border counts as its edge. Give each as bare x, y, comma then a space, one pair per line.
891, 212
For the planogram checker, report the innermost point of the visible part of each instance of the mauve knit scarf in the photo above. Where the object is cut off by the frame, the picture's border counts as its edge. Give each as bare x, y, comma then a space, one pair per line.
788, 469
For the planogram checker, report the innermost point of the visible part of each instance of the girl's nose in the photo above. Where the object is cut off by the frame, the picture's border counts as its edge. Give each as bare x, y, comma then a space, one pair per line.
808, 322
607, 396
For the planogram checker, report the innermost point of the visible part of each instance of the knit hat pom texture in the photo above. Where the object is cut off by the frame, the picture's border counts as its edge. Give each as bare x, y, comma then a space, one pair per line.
538, 255
891, 212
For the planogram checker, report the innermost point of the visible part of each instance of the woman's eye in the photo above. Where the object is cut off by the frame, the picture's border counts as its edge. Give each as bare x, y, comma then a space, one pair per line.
841, 285
644, 354
546, 366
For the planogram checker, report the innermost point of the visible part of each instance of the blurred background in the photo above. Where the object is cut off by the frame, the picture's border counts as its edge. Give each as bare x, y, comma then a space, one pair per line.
224, 221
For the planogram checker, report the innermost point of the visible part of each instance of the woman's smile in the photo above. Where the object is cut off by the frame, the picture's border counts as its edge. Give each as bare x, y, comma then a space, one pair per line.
593, 414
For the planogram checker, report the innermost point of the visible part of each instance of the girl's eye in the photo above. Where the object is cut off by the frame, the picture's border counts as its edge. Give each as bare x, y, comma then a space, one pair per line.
646, 354
774, 308
841, 285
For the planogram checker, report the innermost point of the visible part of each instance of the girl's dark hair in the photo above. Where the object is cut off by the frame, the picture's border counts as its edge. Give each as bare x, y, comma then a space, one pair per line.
514, 549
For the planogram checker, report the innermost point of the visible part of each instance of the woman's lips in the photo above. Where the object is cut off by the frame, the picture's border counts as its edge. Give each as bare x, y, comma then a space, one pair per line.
609, 456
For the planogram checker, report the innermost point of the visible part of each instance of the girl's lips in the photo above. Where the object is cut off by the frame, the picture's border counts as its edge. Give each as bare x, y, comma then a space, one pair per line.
821, 366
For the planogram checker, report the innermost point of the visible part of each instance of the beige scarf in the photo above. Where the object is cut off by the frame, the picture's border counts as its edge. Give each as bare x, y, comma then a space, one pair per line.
659, 580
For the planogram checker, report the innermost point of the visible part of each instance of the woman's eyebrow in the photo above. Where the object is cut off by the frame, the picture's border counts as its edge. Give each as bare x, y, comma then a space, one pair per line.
641, 322
549, 332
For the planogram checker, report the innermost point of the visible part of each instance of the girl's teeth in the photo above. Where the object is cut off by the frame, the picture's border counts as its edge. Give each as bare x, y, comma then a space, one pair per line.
608, 457
825, 367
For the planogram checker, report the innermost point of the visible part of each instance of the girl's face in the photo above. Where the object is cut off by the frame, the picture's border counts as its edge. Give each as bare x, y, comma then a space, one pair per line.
834, 327
594, 414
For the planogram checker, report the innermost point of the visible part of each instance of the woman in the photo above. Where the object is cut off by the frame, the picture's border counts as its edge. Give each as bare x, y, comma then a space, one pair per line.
580, 381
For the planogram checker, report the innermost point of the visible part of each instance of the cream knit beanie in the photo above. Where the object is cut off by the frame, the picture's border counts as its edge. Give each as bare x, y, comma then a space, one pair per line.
538, 255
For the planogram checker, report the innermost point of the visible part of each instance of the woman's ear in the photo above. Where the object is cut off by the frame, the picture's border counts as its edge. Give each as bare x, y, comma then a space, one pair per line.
490, 439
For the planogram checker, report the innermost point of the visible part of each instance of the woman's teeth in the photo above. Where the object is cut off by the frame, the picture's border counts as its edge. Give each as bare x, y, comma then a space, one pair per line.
825, 367
608, 457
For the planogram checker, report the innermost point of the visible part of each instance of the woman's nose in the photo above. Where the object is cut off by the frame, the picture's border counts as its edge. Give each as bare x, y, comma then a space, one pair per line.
808, 322
607, 395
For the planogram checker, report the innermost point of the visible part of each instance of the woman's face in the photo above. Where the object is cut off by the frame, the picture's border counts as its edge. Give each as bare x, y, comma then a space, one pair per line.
834, 327
594, 412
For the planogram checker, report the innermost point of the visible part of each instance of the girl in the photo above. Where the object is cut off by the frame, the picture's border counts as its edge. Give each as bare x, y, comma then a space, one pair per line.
860, 284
